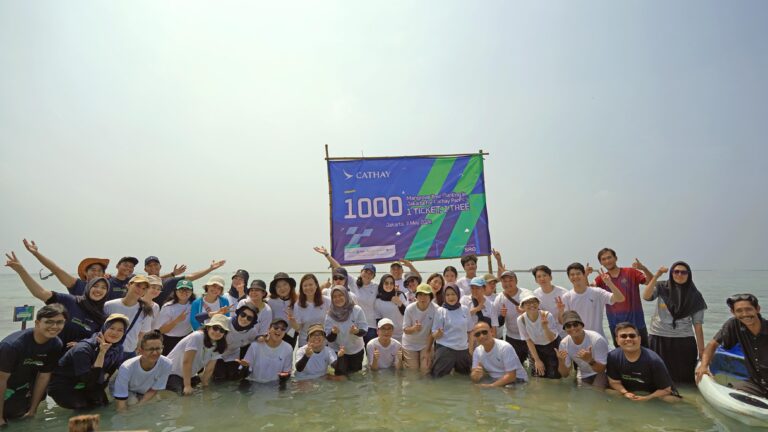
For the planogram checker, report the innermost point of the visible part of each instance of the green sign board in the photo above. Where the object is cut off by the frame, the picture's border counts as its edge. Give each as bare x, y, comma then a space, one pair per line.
23, 313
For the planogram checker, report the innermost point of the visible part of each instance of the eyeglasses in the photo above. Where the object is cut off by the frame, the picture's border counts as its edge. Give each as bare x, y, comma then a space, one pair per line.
627, 335
571, 325
481, 333
51, 323
218, 329
279, 327
680, 272
248, 317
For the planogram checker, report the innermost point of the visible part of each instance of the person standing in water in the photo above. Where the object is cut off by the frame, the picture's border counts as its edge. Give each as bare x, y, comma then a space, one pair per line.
628, 279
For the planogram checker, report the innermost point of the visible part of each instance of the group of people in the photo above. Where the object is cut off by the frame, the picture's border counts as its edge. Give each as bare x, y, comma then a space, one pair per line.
134, 334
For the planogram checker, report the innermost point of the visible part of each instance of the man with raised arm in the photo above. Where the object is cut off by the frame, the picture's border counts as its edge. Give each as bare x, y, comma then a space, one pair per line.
152, 267
628, 279
88, 269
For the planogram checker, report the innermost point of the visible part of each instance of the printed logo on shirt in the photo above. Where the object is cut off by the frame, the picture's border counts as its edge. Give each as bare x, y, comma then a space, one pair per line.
84, 324
32, 362
638, 379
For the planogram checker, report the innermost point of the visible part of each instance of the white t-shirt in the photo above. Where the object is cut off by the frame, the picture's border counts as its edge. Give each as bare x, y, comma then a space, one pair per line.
489, 311
155, 316
132, 378
599, 352
590, 306
143, 322
309, 315
317, 366
463, 284
455, 324
193, 342
510, 321
169, 312
548, 302
387, 355
500, 361
418, 341
533, 330
237, 340
366, 296
388, 309
267, 362
352, 344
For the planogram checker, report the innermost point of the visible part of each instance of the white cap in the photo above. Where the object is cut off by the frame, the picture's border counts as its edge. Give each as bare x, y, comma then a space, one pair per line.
529, 297
385, 321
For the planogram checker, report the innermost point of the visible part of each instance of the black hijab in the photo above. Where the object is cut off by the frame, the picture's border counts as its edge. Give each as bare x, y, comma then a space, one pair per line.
236, 325
681, 300
455, 289
382, 293
93, 309
233, 291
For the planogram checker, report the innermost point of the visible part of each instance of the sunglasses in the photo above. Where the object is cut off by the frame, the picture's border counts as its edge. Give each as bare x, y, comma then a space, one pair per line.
680, 272
279, 327
571, 325
218, 329
247, 317
339, 278
628, 336
481, 333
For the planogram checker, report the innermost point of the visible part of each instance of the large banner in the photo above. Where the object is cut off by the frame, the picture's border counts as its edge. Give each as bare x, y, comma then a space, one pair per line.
415, 208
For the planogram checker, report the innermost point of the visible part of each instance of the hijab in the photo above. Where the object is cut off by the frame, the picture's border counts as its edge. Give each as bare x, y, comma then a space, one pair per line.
341, 314
681, 300
236, 325
233, 291
114, 354
382, 293
456, 290
94, 309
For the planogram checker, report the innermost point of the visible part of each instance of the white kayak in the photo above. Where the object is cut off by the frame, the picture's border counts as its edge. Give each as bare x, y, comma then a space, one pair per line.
744, 407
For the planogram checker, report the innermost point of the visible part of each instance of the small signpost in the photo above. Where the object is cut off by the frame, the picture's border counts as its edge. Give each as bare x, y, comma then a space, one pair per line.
23, 313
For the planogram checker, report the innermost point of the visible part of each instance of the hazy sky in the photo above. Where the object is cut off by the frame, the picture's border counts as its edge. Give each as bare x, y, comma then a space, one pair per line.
195, 130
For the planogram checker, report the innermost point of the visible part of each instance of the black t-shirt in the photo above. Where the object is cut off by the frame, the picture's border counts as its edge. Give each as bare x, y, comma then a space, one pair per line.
648, 373
755, 347
117, 288
79, 326
78, 288
24, 358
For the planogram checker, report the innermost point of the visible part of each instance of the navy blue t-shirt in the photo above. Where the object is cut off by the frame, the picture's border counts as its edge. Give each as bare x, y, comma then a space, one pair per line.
24, 358
79, 326
78, 288
647, 374
169, 285
117, 288
78, 361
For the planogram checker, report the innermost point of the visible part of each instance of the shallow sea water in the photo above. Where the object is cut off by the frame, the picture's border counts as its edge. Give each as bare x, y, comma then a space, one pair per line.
382, 401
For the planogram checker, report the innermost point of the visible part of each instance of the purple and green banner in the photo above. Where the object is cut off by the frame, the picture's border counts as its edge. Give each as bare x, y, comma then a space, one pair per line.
416, 208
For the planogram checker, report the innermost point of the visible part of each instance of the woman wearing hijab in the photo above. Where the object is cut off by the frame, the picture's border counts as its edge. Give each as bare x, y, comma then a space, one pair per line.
450, 330
676, 333
85, 312
238, 289
243, 332
282, 296
390, 303
84, 371
345, 326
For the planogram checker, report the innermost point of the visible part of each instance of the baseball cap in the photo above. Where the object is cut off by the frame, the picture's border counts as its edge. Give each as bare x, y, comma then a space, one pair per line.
139, 279
150, 259
370, 267
132, 260
185, 284
478, 281
385, 321
155, 280
424, 289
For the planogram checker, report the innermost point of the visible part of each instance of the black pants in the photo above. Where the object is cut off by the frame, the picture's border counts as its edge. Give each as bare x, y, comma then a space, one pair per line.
170, 342
520, 346
679, 354
548, 355
18, 404
66, 396
176, 383
447, 359
228, 371
349, 363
